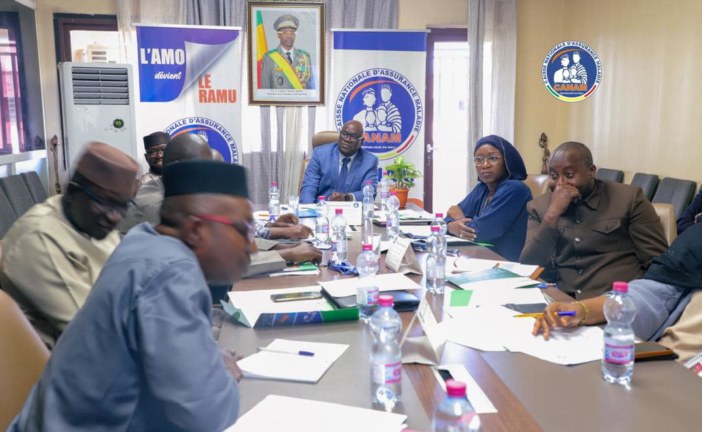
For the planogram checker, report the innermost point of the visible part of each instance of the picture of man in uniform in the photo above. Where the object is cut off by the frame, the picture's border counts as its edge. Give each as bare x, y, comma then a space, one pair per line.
286, 67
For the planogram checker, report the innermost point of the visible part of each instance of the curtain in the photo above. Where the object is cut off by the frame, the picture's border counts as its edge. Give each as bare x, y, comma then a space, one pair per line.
274, 139
492, 38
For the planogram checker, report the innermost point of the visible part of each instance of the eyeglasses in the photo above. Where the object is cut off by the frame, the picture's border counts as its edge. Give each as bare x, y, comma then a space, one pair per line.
105, 204
155, 151
493, 159
245, 229
351, 136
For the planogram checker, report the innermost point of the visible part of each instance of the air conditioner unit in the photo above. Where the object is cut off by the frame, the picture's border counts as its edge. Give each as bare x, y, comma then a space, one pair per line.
97, 104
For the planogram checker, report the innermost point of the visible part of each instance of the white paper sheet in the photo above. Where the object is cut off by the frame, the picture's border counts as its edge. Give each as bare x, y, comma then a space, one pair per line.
465, 264
282, 413
484, 328
477, 397
288, 366
384, 282
565, 346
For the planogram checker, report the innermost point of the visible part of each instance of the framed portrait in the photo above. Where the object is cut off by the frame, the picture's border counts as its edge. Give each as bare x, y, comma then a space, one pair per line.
286, 53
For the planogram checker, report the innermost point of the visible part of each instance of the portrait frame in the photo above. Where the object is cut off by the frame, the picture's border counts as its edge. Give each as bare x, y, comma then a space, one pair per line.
273, 80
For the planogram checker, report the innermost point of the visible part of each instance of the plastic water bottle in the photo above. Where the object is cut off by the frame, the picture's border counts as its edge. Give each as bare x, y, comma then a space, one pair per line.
368, 199
366, 293
274, 201
392, 217
436, 261
440, 222
321, 228
338, 241
384, 190
618, 357
455, 413
386, 358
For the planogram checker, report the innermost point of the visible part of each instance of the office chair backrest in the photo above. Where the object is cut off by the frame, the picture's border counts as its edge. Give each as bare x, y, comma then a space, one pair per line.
324, 137
36, 189
610, 174
538, 183
17, 193
647, 182
7, 214
23, 356
676, 192
666, 213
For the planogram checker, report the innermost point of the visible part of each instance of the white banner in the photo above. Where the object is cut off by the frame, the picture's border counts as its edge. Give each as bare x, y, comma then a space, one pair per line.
189, 82
379, 80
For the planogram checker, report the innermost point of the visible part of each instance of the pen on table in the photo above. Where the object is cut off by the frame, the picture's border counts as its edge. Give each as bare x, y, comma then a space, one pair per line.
540, 314
302, 353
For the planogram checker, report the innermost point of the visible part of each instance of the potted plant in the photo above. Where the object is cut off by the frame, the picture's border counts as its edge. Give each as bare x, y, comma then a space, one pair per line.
402, 173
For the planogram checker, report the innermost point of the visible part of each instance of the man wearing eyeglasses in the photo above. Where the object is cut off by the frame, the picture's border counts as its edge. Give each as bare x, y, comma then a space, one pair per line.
587, 232
154, 146
140, 355
54, 253
339, 170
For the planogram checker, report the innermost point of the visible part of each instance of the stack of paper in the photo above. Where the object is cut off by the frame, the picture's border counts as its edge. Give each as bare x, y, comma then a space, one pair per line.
473, 265
281, 413
292, 360
304, 269
384, 282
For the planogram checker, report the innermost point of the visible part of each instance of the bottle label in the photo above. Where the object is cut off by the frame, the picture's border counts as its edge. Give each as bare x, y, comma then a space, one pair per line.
619, 354
367, 296
390, 373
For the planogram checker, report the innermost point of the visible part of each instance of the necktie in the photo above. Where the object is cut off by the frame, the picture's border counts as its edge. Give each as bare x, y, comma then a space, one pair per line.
341, 184
287, 54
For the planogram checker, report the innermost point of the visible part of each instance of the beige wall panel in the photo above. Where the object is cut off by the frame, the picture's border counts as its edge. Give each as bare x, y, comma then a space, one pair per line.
644, 116
419, 14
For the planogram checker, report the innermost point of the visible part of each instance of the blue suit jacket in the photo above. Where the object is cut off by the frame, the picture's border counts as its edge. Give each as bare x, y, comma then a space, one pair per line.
323, 173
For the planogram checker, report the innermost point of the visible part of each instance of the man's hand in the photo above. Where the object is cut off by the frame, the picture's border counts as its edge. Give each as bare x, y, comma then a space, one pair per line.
561, 197
455, 212
301, 253
230, 358
295, 232
338, 196
551, 320
286, 220
461, 230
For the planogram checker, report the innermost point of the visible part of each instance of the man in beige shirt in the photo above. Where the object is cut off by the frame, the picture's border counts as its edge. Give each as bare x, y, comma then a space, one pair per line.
53, 254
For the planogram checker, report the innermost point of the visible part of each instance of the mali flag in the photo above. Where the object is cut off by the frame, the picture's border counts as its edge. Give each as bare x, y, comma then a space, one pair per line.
261, 47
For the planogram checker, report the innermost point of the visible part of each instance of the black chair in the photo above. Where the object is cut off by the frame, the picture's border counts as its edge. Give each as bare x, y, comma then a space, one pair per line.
36, 189
676, 192
647, 182
17, 193
7, 214
610, 174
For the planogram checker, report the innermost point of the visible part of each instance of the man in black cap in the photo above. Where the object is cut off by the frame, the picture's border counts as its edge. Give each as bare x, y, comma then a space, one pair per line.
286, 67
140, 354
154, 146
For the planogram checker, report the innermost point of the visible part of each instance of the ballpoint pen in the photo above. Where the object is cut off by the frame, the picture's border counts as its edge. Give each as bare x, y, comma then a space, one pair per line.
279, 351
540, 314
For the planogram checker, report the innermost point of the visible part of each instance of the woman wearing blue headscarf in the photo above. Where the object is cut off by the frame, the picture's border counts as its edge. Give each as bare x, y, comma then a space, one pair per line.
495, 210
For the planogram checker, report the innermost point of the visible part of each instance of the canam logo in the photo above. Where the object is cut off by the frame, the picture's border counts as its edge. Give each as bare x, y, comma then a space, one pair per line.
388, 106
214, 133
571, 71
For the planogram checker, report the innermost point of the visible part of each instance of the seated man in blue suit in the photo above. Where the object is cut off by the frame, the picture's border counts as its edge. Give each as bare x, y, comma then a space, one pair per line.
339, 170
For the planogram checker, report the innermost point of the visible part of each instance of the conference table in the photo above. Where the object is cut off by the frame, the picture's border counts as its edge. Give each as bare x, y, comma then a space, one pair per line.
529, 394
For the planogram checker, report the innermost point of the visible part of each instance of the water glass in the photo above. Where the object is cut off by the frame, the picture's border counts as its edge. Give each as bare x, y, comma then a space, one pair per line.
294, 204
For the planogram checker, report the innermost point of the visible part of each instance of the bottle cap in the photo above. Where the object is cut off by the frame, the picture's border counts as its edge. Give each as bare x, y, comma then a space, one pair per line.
621, 287
393, 192
366, 247
386, 300
455, 388
338, 211
321, 198
439, 215
369, 182
435, 228
274, 183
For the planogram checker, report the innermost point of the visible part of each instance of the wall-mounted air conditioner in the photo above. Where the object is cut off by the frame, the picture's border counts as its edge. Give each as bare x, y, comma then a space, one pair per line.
97, 104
